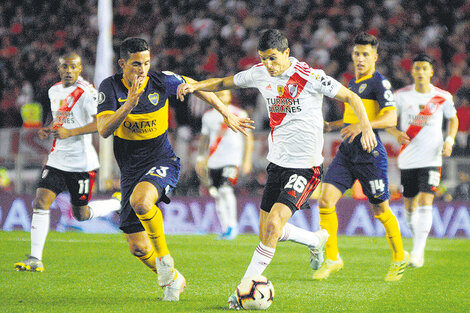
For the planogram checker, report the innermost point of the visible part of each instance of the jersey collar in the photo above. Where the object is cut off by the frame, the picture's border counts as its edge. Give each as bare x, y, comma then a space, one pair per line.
291, 70
364, 78
141, 87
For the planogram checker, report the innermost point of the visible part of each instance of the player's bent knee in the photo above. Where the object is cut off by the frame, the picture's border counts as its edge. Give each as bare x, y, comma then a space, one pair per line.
81, 213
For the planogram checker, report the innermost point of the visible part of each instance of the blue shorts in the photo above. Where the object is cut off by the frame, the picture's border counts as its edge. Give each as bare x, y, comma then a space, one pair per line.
163, 174
352, 162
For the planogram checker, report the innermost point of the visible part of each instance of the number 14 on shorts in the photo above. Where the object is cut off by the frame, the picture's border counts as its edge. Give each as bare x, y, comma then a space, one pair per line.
377, 186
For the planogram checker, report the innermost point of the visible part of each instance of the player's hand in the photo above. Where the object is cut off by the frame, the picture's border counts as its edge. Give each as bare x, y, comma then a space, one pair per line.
61, 133
350, 132
135, 92
368, 140
44, 132
447, 149
238, 124
184, 89
403, 138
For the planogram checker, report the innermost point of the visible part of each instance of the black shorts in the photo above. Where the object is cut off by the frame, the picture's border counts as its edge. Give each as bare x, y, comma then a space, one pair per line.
227, 175
425, 179
290, 186
79, 184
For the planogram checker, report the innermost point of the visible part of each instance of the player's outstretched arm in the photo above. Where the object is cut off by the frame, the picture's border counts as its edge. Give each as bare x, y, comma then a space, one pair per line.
368, 140
212, 84
235, 123
108, 123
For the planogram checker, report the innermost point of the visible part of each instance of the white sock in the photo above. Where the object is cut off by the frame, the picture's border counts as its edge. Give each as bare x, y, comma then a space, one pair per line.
222, 211
409, 218
260, 260
296, 234
103, 207
39, 228
422, 225
231, 205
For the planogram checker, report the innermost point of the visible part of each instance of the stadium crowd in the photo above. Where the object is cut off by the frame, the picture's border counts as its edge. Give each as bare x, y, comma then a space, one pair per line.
217, 38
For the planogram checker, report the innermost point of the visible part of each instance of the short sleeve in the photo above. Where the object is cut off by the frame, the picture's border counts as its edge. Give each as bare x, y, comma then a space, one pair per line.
107, 97
91, 101
449, 108
172, 82
398, 101
384, 93
244, 79
324, 84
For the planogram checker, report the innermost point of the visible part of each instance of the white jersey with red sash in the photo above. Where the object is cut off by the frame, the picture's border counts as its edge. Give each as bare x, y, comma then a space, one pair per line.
294, 101
421, 117
73, 107
225, 146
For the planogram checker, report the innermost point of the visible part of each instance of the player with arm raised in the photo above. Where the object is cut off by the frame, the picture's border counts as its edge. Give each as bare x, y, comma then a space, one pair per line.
351, 162
422, 108
133, 105
72, 163
293, 92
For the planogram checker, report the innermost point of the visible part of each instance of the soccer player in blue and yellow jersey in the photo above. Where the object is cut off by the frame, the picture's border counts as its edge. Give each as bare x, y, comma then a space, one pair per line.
133, 105
352, 162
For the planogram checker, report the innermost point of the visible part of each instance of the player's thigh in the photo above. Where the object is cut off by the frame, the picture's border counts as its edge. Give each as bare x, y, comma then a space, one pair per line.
50, 184
80, 186
409, 182
429, 179
164, 176
224, 176
339, 174
374, 180
139, 243
295, 186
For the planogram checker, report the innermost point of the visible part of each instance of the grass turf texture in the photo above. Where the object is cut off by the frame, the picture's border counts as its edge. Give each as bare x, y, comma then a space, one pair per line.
96, 273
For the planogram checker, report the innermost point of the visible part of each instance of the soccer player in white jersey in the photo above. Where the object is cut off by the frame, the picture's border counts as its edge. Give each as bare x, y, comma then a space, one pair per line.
73, 162
222, 155
422, 108
293, 92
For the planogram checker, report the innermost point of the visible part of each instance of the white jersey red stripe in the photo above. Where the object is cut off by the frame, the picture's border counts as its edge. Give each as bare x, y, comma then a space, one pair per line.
225, 146
421, 116
73, 154
294, 101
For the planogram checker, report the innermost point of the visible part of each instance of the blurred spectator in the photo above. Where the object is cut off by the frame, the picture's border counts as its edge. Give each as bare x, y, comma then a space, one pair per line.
462, 191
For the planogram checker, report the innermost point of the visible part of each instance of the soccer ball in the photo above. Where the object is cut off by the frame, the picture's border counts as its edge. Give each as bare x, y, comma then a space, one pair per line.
255, 293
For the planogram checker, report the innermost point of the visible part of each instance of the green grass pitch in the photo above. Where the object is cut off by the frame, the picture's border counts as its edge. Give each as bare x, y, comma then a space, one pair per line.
96, 273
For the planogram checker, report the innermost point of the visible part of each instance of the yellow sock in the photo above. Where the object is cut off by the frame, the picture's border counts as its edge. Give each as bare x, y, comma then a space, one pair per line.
153, 224
392, 231
329, 221
149, 260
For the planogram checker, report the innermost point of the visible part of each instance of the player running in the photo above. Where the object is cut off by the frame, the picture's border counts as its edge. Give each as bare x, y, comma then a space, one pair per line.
293, 92
72, 163
222, 155
422, 108
351, 162
133, 105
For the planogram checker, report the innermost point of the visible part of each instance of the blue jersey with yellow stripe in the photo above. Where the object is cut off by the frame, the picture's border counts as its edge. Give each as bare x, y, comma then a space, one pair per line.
142, 138
376, 94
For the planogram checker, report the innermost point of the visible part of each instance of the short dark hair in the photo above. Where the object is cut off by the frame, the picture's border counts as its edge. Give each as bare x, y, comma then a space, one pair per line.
366, 39
132, 45
423, 57
273, 39
68, 55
